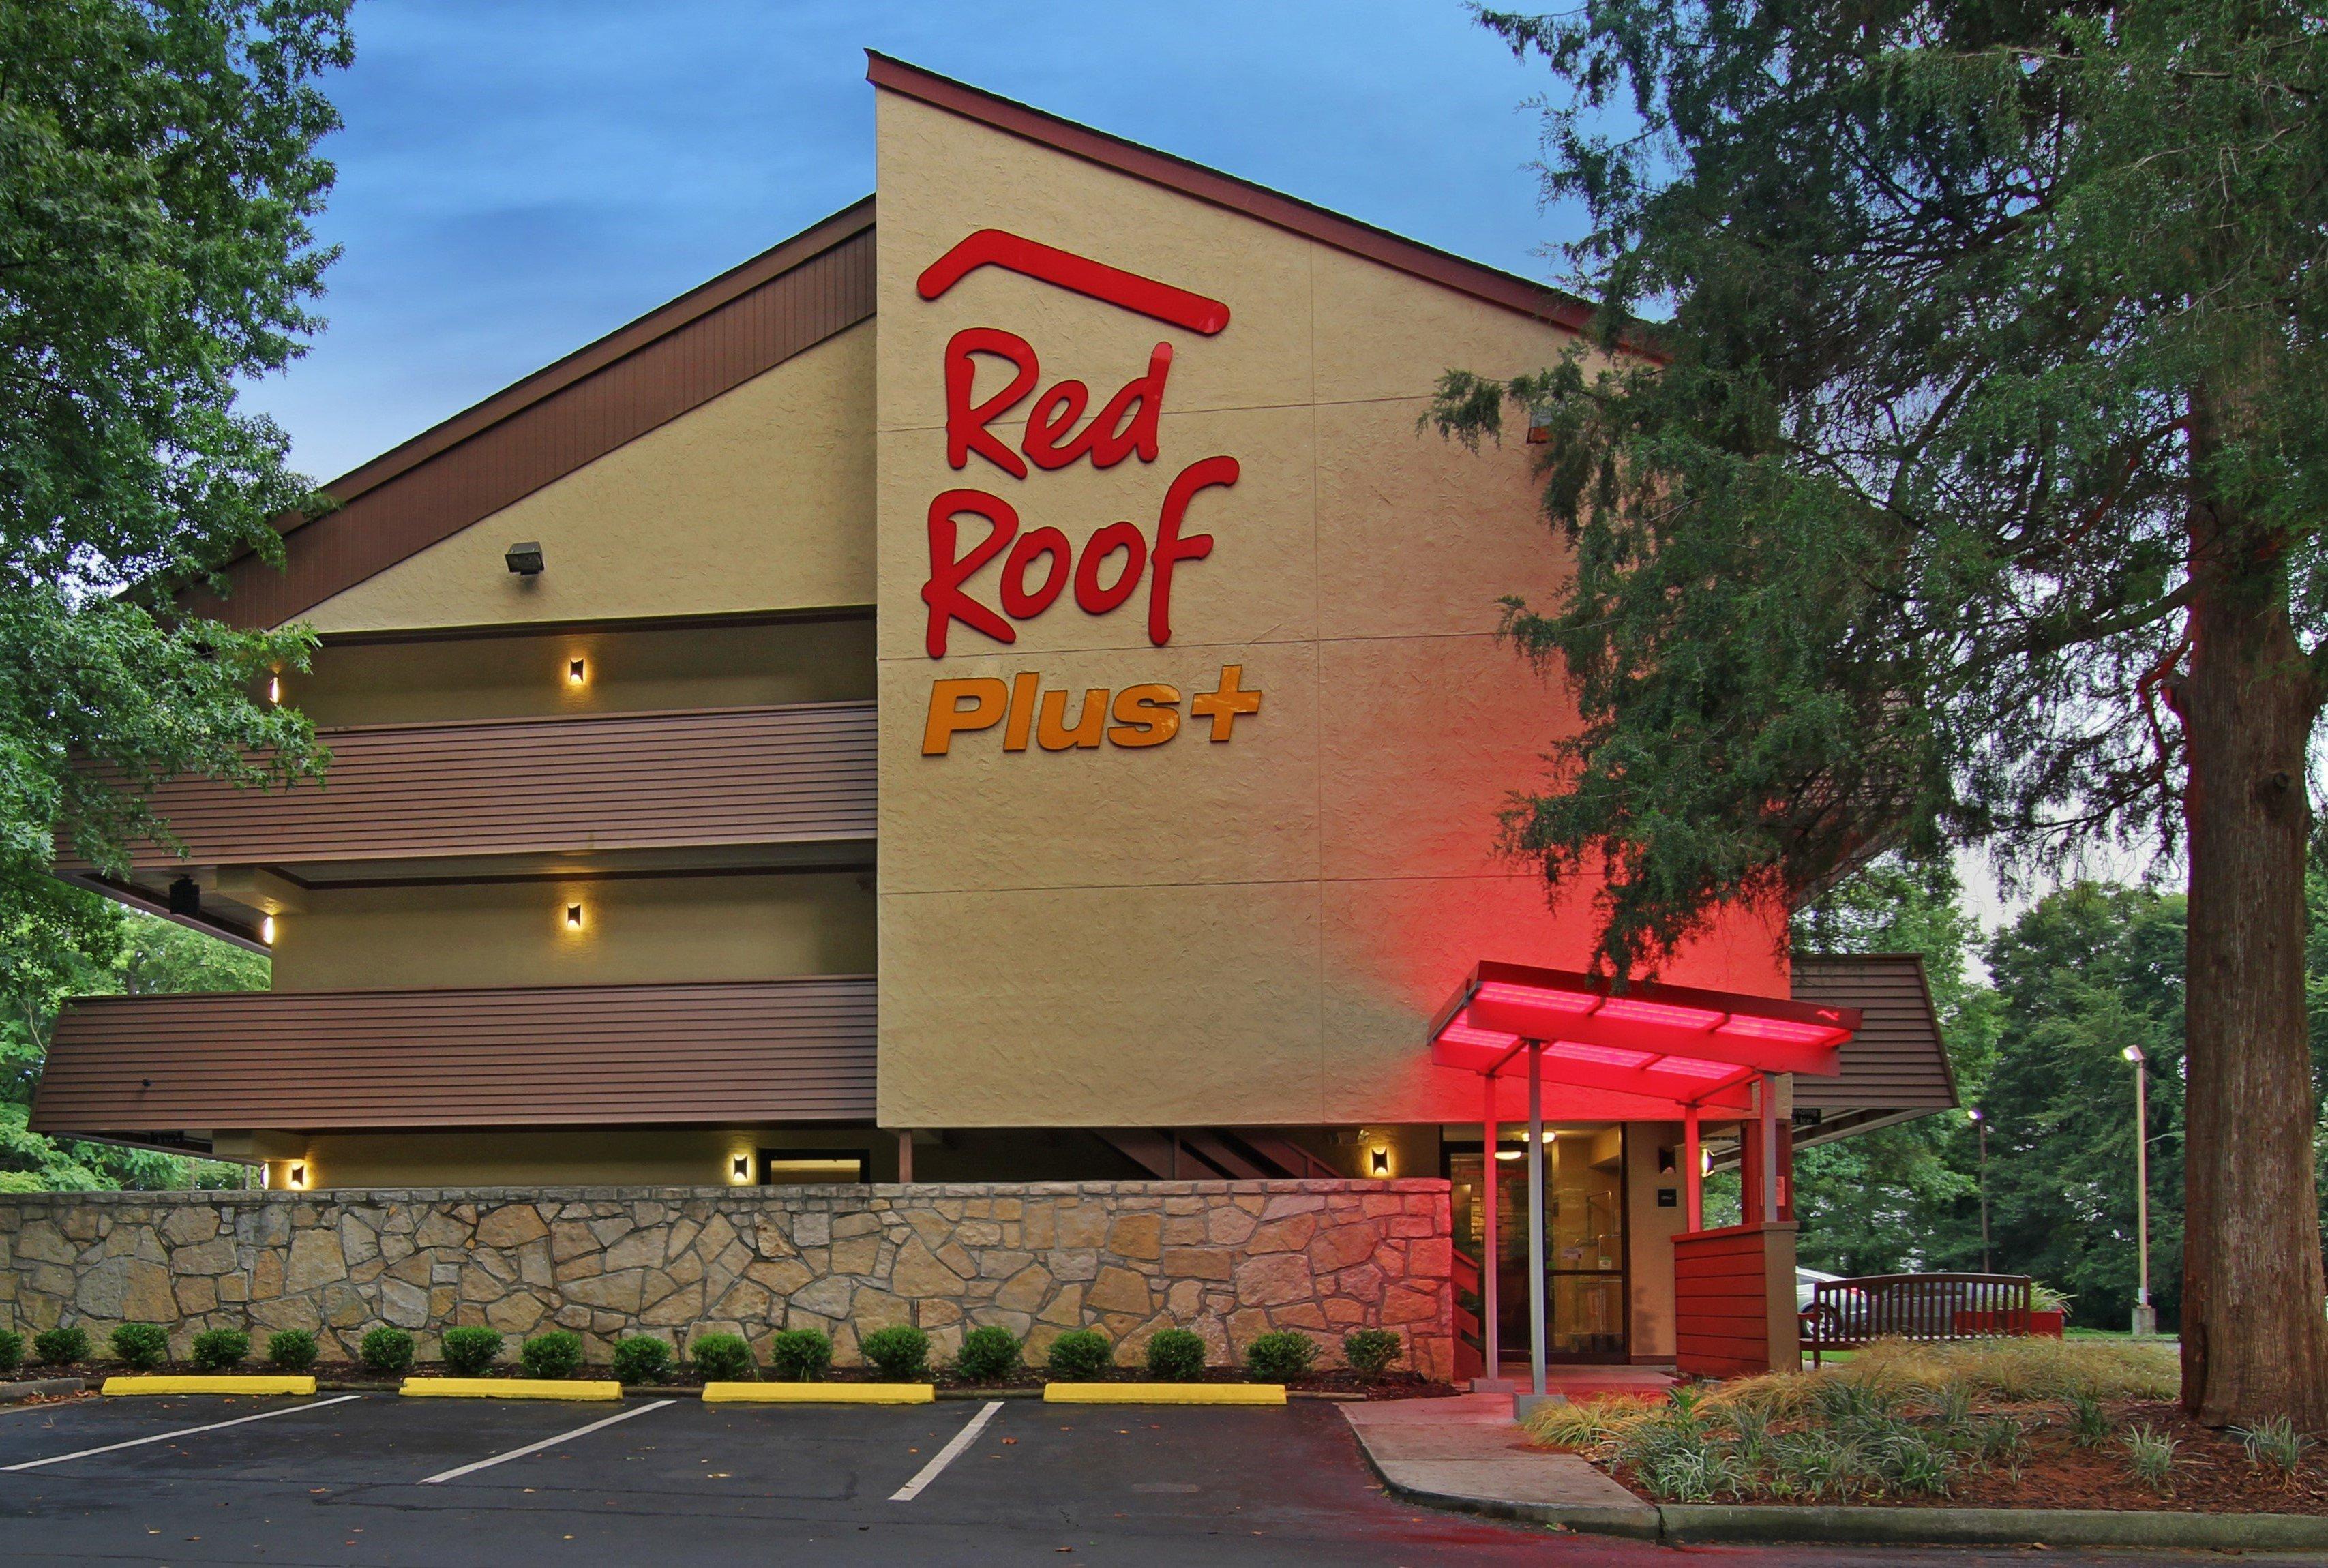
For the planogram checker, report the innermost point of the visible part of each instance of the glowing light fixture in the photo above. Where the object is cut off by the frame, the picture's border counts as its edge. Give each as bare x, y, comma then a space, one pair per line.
1379, 1163
298, 1175
275, 688
1511, 1154
577, 671
574, 917
740, 1167
267, 929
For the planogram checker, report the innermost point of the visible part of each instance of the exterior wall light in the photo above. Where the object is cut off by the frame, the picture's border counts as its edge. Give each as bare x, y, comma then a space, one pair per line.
740, 1168
577, 671
574, 917
267, 929
525, 558
297, 1177
275, 688
1378, 1161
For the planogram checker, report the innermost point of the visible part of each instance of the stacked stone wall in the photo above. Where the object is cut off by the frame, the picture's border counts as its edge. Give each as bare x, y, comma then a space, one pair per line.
1230, 1260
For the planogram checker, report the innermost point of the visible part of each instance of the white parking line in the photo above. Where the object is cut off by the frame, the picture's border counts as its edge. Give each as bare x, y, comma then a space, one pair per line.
182, 1431
946, 1455
456, 1473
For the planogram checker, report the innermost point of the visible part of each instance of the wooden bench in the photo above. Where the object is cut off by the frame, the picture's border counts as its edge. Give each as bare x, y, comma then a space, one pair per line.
1847, 1314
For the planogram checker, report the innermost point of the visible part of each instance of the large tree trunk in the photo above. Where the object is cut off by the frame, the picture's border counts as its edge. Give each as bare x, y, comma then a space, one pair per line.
2254, 1342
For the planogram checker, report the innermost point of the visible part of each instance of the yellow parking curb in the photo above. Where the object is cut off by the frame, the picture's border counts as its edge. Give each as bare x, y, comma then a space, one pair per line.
511, 1388
819, 1392
211, 1382
1164, 1394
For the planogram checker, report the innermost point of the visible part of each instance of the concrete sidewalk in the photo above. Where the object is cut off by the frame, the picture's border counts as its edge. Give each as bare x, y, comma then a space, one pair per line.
1467, 1452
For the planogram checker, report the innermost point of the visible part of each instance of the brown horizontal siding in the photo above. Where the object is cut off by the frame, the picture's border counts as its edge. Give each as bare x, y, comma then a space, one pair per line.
785, 1051
1721, 1303
746, 775
1896, 1060
679, 357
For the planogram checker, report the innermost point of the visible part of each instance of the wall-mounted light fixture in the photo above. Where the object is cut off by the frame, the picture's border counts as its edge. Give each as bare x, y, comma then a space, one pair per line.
574, 917
1379, 1160
267, 929
740, 1168
275, 688
298, 1177
577, 671
525, 558
185, 897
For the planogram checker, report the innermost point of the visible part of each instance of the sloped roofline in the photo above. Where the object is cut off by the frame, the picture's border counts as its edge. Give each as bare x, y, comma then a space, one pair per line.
1480, 281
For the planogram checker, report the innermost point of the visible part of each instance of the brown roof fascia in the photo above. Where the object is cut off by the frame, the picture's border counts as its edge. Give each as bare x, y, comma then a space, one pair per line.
1208, 184
656, 325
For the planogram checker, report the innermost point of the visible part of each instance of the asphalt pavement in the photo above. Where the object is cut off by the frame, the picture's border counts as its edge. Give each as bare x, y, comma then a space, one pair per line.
375, 1479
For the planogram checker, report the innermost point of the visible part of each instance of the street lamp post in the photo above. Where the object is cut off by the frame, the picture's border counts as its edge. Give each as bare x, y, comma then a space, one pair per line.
2145, 1316
1980, 1124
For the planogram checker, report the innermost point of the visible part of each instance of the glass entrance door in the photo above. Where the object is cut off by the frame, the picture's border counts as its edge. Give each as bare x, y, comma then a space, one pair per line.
1585, 1297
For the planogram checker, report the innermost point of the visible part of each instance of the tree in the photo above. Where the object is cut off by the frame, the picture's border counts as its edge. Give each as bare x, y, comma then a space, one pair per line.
1976, 496
158, 170
133, 954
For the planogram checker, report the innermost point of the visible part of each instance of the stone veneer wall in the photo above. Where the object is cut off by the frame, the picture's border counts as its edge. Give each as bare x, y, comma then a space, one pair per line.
1229, 1259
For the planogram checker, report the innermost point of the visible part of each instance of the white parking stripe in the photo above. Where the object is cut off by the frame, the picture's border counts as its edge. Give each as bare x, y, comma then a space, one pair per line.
518, 1453
946, 1455
182, 1431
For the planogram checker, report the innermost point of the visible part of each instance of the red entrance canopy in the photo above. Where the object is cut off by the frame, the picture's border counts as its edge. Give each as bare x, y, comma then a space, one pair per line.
1670, 1042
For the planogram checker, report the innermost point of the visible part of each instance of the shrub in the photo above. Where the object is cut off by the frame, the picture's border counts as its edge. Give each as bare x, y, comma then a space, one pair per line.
469, 1351
1081, 1356
62, 1347
2273, 1445
141, 1347
556, 1354
2150, 1454
12, 1350
1274, 1358
802, 1355
722, 1357
1176, 1356
988, 1354
902, 1353
219, 1349
1370, 1351
386, 1350
641, 1358
292, 1349
2089, 1423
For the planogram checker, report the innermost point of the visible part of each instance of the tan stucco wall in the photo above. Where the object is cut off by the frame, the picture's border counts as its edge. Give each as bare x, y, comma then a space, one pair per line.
634, 931
761, 498
1254, 931
1649, 1233
511, 677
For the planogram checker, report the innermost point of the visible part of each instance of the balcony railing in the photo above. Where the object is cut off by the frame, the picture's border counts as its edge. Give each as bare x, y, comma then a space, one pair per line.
799, 774
754, 1051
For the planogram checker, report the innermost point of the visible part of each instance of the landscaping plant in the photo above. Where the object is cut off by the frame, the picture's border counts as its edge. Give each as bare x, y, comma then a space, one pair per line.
141, 1347
385, 1351
722, 1357
800, 1355
556, 1354
2150, 1455
641, 1358
1370, 1351
2089, 1424
901, 1352
1277, 1357
64, 1346
220, 1350
12, 1350
1081, 1355
1176, 1356
469, 1351
2273, 1445
292, 1349
987, 1353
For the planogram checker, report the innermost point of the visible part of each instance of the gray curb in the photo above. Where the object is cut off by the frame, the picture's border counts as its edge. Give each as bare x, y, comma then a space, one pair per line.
1681, 1523
17, 1393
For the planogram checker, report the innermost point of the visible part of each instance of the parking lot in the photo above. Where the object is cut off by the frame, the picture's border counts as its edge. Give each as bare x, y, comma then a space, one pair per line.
372, 1479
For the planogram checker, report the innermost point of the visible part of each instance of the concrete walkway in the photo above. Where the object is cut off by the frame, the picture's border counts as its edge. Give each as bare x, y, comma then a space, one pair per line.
1469, 1450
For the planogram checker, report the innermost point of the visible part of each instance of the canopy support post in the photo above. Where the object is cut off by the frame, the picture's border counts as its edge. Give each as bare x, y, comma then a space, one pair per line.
1524, 1403
1492, 1378
1765, 1108
1694, 1166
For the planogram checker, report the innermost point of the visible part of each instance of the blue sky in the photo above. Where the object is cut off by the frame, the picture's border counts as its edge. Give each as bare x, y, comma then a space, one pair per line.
519, 176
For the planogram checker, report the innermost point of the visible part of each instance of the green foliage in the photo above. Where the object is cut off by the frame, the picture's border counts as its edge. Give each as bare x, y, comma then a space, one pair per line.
800, 1355
2273, 1445
12, 1350
556, 1354
291, 1350
2089, 1423
1176, 1356
1371, 1351
469, 1351
387, 1351
1275, 1357
220, 1350
641, 1358
2150, 1456
64, 1346
987, 1353
1081, 1355
141, 1347
722, 1357
900, 1351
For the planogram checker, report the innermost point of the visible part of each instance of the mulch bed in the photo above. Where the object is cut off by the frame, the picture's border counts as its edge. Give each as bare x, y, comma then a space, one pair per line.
2211, 1473
1342, 1383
